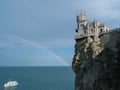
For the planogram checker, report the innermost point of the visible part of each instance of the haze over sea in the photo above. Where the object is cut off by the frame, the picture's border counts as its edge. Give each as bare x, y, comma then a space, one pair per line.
38, 78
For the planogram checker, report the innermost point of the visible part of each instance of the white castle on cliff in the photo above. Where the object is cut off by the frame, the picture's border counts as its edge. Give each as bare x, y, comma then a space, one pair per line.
86, 28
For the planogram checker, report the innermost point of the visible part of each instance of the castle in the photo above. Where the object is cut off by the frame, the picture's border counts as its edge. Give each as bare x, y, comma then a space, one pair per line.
86, 28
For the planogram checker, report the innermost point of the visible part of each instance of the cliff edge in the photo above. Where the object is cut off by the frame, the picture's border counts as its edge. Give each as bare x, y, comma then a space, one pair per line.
96, 63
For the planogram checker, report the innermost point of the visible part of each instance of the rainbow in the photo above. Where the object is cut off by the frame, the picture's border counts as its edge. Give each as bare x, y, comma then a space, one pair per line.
36, 45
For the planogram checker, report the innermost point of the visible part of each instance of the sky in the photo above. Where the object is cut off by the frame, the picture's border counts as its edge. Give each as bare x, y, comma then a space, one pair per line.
41, 32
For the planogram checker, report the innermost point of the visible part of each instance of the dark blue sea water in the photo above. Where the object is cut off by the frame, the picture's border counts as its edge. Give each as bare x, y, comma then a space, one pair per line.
38, 78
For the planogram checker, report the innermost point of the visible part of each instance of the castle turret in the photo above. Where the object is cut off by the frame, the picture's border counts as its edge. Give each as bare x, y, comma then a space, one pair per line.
81, 17
81, 24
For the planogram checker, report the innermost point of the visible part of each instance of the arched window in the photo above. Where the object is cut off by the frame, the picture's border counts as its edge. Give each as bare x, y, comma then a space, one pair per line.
101, 30
91, 30
106, 30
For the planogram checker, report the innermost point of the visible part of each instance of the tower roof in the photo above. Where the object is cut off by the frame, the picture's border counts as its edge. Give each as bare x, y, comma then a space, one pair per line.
81, 17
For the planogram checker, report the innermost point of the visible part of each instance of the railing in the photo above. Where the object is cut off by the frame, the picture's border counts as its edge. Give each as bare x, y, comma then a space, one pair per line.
84, 35
92, 34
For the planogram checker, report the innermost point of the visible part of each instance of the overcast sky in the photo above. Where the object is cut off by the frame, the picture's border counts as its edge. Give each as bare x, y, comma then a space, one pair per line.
41, 32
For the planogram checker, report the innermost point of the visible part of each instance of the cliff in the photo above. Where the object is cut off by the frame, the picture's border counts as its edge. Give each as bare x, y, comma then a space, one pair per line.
96, 63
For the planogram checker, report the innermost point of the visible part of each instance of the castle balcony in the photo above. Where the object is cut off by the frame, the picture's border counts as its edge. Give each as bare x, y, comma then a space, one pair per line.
89, 34
79, 36
84, 36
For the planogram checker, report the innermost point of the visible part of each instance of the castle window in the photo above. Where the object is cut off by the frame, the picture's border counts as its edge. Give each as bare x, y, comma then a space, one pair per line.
101, 30
92, 30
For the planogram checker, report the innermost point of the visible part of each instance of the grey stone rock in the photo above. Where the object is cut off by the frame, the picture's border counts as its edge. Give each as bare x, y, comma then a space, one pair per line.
97, 67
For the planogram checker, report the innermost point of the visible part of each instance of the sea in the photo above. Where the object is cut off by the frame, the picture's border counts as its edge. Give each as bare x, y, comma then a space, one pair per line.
38, 78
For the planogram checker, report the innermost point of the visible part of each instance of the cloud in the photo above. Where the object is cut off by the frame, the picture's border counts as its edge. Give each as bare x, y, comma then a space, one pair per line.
59, 43
5, 44
6, 41
100, 8
1, 55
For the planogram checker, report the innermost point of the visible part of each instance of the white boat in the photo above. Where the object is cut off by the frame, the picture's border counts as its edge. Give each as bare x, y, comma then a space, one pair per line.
10, 84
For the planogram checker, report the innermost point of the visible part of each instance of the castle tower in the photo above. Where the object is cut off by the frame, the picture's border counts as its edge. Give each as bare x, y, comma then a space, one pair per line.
81, 20
81, 24
95, 25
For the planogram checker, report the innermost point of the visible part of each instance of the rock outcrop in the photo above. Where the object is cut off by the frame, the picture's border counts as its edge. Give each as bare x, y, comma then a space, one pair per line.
96, 63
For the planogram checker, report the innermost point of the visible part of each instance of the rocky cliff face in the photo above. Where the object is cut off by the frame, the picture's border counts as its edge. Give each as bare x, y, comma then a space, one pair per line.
96, 63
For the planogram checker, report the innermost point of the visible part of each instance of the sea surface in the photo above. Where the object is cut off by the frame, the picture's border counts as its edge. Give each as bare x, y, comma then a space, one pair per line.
38, 78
